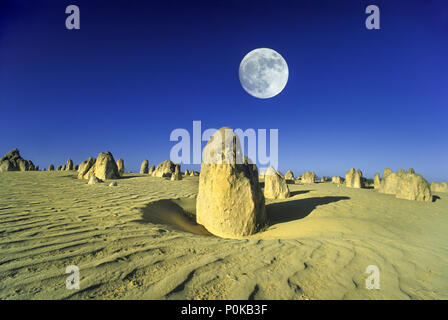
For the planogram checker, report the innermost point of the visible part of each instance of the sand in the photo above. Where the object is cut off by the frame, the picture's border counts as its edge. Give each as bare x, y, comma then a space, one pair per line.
139, 241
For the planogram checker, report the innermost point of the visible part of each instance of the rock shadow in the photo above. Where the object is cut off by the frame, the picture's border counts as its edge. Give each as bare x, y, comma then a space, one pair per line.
179, 214
67, 176
297, 209
294, 193
131, 177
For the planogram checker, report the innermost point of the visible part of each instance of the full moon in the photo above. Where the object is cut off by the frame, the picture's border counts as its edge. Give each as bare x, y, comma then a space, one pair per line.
263, 73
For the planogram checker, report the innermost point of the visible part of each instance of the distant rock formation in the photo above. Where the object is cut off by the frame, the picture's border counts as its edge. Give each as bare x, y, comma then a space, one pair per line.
191, 173
69, 165
151, 170
289, 175
176, 175
144, 168
353, 179
439, 187
336, 179
120, 167
405, 185
59, 168
105, 167
51, 167
186, 173
230, 202
164, 169
64, 167
275, 186
359, 181
308, 177
12, 161
376, 181
76, 168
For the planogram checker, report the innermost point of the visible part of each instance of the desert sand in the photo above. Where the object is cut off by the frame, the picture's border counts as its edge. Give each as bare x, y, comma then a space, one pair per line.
138, 240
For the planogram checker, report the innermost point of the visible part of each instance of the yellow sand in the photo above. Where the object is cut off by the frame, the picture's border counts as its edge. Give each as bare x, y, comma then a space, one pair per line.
130, 245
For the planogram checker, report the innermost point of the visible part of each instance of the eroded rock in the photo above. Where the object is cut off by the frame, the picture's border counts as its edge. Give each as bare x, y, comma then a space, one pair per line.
230, 202
144, 167
308, 177
120, 167
275, 186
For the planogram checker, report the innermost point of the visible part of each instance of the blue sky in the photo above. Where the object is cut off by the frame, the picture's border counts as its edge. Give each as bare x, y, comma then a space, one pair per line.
136, 70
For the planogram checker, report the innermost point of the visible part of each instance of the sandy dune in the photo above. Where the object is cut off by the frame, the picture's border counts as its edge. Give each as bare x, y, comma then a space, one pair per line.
134, 241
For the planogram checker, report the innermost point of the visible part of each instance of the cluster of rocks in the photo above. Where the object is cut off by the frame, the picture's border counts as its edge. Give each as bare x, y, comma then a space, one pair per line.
12, 161
405, 185
166, 169
230, 202
275, 186
336, 179
354, 179
69, 166
102, 168
439, 187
